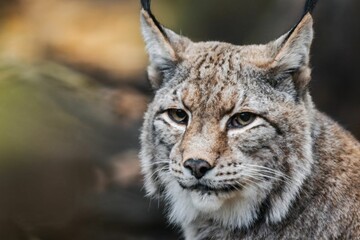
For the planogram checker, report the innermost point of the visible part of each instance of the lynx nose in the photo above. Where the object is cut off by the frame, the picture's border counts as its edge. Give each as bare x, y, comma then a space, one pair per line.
198, 167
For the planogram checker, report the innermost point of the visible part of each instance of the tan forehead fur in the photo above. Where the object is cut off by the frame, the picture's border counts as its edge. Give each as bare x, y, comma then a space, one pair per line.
228, 56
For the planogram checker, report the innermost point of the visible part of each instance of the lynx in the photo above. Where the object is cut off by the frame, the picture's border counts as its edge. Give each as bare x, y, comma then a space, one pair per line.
234, 146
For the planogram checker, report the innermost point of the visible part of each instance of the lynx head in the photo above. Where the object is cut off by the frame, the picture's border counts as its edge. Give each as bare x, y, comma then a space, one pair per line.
227, 136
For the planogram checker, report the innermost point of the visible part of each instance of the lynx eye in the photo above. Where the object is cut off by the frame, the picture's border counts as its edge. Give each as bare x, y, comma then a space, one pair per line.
179, 116
241, 120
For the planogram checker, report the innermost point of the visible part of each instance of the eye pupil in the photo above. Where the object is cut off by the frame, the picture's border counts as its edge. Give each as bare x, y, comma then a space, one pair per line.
245, 117
180, 113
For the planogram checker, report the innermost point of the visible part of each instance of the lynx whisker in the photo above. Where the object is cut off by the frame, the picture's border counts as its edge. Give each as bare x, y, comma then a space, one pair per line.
155, 163
251, 182
276, 172
268, 174
163, 169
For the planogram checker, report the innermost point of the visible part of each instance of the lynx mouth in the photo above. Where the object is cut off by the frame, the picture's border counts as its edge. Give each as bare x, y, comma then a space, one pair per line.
203, 188
208, 199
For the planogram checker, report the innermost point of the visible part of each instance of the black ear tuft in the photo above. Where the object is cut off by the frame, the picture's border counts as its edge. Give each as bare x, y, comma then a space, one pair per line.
310, 6
146, 5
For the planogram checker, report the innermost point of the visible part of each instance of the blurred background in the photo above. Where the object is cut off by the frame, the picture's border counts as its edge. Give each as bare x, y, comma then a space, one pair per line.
73, 90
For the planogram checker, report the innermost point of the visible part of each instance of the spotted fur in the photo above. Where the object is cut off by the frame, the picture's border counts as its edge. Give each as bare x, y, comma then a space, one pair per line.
292, 173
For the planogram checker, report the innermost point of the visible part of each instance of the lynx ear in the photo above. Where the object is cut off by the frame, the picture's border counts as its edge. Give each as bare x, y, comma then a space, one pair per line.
293, 52
163, 46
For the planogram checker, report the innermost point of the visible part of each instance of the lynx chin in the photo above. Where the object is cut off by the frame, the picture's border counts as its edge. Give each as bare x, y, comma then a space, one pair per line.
234, 145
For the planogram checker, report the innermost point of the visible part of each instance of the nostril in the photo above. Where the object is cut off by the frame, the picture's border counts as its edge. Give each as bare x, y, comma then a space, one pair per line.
203, 170
197, 167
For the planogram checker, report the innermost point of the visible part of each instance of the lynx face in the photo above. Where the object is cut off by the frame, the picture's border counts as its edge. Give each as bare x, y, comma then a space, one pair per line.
228, 131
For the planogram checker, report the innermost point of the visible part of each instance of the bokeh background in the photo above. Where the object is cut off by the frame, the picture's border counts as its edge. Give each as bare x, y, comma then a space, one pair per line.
73, 90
